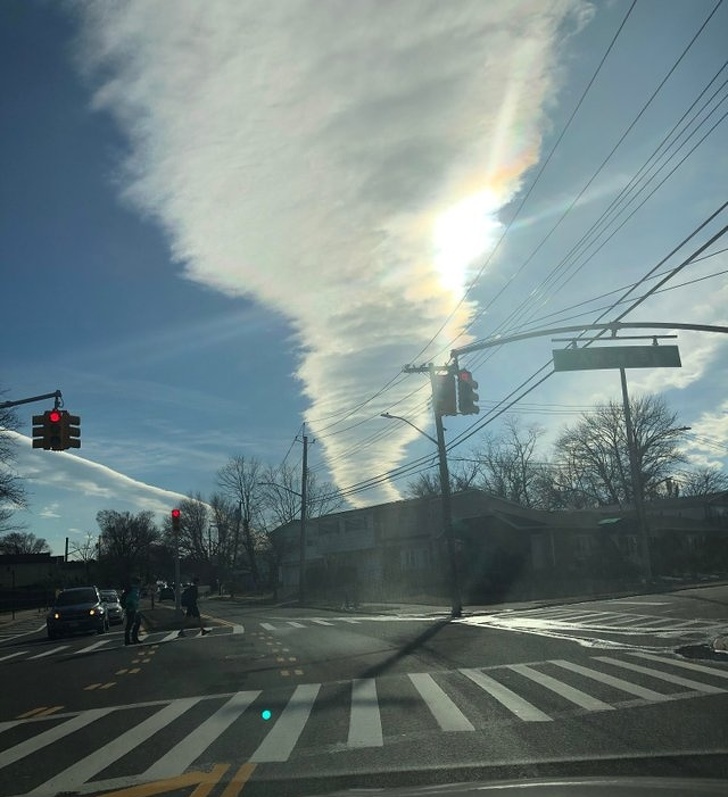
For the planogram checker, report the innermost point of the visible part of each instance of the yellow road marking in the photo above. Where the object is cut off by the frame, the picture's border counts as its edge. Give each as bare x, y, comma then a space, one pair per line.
204, 781
291, 658
31, 713
240, 778
121, 672
49, 711
108, 685
90, 687
135, 670
298, 672
285, 673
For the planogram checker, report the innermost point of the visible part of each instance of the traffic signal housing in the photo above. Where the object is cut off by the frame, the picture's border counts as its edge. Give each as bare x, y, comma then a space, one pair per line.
176, 518
444, 394
56, 430
467, 395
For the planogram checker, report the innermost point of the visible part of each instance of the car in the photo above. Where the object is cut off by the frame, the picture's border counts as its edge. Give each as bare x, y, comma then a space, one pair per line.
77, 610
166, 592
114, 609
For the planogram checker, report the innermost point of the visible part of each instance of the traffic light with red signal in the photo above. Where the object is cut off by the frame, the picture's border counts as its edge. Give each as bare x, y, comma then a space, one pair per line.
176, 518
56, 430
467, 396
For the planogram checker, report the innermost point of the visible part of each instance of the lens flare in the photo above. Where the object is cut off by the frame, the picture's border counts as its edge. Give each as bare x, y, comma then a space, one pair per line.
464, 233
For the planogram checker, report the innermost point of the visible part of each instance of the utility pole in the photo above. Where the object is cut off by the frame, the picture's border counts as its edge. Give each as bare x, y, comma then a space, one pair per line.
456, 605
302, 552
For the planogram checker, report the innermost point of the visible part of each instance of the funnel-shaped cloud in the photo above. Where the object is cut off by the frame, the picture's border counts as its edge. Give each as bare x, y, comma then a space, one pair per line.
331, 159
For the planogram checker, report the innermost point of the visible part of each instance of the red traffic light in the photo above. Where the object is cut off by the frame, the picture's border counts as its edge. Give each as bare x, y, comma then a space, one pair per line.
176, 513
54, 416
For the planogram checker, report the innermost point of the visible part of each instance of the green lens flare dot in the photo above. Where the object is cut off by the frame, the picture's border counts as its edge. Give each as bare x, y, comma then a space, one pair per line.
266, 715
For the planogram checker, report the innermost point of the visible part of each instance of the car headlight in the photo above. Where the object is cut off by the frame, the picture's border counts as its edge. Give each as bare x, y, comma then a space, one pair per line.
92, 611
56, 616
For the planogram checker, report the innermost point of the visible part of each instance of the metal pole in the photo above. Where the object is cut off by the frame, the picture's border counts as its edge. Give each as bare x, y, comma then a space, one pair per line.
636, 481
455, 599
14, 598
177, 576
302, 552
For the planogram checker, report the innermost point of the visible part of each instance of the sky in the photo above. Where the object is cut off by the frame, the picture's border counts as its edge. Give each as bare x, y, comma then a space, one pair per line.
222, 221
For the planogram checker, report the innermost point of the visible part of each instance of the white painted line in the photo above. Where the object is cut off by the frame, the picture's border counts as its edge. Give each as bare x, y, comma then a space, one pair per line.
365, 724
76, 775
678, 680
642, 603
13, 655
349, 620
49, 652
169, 637
268, 627
320, 622
35, 743
446, 713
92, 647
610, 680
279, 743
687, 665
181, 756
569, 693
295, 624
510, 700
238, 629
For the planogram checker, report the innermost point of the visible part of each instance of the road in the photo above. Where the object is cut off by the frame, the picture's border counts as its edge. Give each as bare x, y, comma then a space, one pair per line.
286, 701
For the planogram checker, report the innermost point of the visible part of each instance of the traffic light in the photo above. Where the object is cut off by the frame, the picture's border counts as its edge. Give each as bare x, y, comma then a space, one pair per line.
49, 434
467, 396
71, 430
176, 517
443, 398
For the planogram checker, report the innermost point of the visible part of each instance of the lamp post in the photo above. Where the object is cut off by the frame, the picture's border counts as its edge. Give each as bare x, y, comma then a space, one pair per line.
456, 606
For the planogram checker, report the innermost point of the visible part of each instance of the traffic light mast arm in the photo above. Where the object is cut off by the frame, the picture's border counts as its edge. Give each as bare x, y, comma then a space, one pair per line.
57, 395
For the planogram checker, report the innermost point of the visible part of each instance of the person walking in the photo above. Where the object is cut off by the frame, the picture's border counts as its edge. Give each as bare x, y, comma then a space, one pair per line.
189, 601
130, 601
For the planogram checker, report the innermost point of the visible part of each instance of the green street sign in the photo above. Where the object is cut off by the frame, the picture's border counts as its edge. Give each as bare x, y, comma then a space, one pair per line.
603, 357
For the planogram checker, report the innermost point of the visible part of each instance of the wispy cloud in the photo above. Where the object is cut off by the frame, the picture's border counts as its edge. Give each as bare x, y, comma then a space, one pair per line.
327, 159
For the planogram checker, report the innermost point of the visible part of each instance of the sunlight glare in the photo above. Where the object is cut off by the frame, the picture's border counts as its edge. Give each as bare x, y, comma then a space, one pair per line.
462, 234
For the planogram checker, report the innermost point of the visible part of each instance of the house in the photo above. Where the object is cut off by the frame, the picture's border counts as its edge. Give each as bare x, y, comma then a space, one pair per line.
397, 550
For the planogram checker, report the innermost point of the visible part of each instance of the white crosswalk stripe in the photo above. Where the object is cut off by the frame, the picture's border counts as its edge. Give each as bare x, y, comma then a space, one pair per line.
50, 652
466, 700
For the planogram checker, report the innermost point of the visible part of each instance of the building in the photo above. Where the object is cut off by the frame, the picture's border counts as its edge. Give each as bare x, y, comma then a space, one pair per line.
504, 550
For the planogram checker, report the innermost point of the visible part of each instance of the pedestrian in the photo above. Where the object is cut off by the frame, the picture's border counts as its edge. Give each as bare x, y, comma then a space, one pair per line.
189, 601
130, 601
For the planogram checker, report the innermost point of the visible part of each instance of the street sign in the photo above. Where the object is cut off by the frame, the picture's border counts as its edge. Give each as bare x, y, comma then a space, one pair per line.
603, 357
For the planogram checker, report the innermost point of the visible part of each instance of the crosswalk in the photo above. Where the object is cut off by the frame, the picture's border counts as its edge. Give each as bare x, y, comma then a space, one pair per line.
283, 724
573, 619
22, 627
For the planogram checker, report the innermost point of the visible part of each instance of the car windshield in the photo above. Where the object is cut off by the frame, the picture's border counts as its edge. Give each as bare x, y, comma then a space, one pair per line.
378, 351
76, 596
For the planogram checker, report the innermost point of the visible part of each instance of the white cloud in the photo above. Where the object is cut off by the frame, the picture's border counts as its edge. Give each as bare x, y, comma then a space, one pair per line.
303, 153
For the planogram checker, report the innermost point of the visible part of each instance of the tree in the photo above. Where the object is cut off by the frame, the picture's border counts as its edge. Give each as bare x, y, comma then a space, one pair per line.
508, 466
22, 542
12, 493
282, 497
85, 550
705, 480
126, 540
194, 542
594, 454
239, 480
463, 476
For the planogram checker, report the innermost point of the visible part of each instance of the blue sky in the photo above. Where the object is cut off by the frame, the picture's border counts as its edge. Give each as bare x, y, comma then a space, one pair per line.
218, 221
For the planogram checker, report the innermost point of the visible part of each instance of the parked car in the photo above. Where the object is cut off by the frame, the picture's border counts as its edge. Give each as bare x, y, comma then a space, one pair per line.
75, 610
114, 609
166, 592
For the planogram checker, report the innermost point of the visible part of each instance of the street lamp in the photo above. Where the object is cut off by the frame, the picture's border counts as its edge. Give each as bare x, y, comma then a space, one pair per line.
456, 606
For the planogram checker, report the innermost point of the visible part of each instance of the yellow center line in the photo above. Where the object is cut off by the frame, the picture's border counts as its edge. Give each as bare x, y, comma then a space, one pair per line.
285, 673
49, 711
31, 712
90, 687
108, 685
121, 672
240, 778
204, 781
298, 672
135, 670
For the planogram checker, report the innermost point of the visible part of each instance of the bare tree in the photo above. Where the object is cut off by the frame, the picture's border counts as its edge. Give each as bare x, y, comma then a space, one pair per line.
508, 464
85, 550
22, 542
239, 481
194, 528
700, 481
12, 493
464, 475
594, 454
282, 495
126, 540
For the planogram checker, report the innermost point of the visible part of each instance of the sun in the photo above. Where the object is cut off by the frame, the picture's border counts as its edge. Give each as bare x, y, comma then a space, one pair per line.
463, 234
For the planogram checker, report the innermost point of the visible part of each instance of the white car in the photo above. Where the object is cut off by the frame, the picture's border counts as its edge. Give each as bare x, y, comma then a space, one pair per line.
114, 609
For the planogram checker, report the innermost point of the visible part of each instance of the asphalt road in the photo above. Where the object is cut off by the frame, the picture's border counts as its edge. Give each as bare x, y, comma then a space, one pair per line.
276, 702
